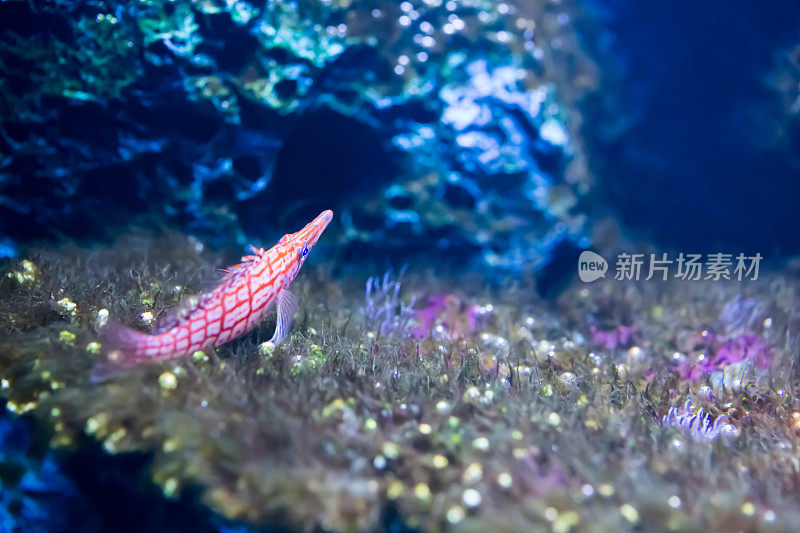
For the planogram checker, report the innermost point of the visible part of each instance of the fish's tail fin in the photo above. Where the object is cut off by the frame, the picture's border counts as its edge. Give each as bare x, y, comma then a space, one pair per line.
123, 348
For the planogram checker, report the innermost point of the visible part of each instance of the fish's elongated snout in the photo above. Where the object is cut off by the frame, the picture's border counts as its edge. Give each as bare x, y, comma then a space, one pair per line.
324, 218
311, 233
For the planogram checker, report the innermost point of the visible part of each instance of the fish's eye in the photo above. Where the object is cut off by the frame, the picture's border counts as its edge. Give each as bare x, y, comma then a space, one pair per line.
304, 252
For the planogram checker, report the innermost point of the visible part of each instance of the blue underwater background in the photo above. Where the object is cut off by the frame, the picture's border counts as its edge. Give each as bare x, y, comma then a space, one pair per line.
443, 134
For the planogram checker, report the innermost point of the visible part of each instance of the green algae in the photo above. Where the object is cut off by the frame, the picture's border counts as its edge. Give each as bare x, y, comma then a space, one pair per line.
520, 424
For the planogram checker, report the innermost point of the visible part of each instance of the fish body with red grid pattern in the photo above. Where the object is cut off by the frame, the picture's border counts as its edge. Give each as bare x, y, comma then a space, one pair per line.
244, 296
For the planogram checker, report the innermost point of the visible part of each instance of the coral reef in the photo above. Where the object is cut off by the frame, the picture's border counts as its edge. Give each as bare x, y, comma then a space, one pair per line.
508, 416
450, 122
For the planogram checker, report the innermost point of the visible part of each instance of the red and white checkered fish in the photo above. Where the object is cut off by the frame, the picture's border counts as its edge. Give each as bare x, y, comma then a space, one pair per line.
246, 293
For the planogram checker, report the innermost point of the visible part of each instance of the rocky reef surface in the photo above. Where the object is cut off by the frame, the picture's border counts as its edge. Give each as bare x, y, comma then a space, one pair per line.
623, 406
452, 124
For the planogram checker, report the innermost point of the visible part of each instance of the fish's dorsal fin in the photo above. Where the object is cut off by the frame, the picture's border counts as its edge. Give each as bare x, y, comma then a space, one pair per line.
248, 261
234, 271
285, 307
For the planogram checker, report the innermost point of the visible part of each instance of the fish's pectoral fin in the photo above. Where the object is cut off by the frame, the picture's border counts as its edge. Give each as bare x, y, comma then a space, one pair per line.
286, 306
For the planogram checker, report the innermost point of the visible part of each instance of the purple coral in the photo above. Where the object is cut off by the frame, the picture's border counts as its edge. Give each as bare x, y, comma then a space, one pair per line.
745, 347
426, 316
619, 336
450, 316
748, 347
382, 306
698, 423
738, 314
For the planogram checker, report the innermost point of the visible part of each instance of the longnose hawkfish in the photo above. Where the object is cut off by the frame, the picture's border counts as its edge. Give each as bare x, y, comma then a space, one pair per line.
247, 291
